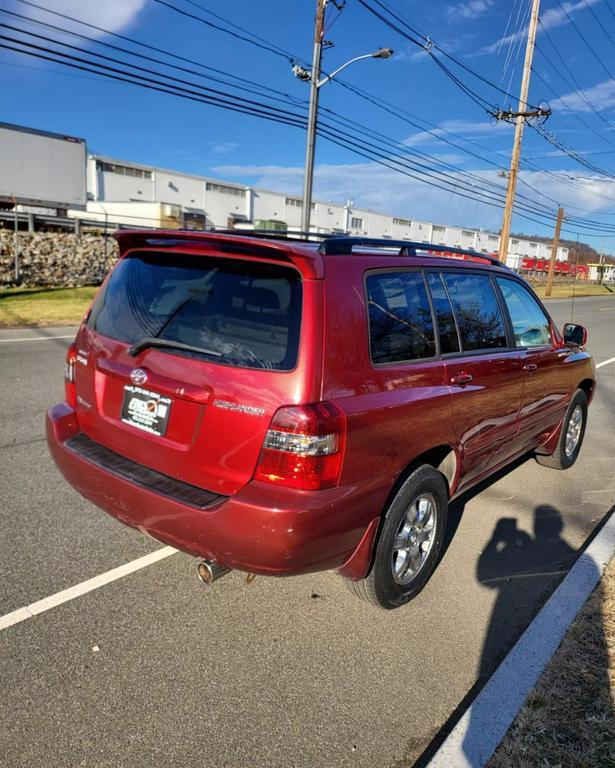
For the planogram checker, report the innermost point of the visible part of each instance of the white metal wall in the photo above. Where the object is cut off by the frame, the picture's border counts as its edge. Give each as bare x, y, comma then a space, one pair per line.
222, 202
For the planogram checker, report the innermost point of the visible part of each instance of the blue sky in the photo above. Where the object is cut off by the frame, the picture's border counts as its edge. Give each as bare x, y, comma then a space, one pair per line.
130, 123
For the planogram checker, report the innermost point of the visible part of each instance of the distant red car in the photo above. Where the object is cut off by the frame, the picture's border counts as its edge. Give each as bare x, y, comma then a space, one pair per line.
280, 406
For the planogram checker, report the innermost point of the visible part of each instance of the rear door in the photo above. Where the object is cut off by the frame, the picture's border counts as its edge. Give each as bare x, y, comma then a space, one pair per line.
545, 377
483, 372
197, 412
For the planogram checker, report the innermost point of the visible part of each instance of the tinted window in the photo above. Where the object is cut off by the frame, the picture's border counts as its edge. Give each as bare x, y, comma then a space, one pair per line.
449, 341
530, 325
479, 319
247, 312
400, 323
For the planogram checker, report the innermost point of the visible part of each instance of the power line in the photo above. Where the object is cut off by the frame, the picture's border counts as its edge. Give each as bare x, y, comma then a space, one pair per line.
255, 88
572, 153
116, 73
590, 48
429, 46
576, 86
599, 23
119, 36
573, 112
213, 25
180, 91
99, 69
267, 43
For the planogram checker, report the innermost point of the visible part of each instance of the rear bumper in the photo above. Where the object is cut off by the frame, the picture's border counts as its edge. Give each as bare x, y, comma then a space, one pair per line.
262, 529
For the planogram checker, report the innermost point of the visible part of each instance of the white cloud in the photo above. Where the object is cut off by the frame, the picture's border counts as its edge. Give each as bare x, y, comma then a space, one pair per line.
461, 128
370, 185
224, 148
552, 17
113, 15
600, 96
469, 10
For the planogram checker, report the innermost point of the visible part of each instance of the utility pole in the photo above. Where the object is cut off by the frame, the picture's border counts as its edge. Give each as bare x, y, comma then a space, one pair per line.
558, 230
520, 125
308, 180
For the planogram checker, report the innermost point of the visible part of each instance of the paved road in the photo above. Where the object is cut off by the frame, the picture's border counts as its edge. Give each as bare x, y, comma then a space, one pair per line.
156, 670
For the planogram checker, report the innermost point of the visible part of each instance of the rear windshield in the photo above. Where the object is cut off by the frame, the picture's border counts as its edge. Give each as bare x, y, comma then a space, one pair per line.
245, 312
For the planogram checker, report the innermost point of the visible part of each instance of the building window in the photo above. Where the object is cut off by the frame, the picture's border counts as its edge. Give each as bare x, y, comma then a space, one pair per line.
514, 242
225, 190
439, 230
494, 239
533, 245
465, 233
356, 223
122, 170
402, 222
296, 202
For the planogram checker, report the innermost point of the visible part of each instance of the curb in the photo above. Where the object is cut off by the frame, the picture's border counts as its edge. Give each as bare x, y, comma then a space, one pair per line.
484, 724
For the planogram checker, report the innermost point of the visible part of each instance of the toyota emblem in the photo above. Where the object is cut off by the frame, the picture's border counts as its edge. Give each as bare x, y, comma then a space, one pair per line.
138, 377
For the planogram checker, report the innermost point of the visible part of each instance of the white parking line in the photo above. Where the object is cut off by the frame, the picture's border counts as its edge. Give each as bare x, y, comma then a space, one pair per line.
36, 338
47, 603
606, 362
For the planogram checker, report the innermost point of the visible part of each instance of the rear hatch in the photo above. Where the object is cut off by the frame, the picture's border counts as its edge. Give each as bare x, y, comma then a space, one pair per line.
187, 354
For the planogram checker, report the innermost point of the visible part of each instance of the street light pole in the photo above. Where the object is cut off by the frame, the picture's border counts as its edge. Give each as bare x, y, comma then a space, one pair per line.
315, 85
308, 178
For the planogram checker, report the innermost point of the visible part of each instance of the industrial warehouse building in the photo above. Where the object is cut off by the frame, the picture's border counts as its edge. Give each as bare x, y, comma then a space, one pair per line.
143, 195
54, 183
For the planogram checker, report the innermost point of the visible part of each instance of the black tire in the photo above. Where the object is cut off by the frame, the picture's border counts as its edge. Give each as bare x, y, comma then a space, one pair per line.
561, 458
383, 586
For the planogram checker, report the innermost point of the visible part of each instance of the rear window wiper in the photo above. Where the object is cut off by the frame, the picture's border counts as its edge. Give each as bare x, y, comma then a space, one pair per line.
153, 341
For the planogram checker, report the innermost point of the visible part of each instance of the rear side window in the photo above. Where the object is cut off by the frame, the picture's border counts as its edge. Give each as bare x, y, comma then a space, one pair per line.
247, 312
447, 330
400, 322
479, 319
530, 324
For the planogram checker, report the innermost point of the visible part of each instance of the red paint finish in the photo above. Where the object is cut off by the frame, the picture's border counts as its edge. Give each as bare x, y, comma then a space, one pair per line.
483, 408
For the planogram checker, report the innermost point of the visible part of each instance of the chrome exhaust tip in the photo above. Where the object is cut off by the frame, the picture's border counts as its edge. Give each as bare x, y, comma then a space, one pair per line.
208, 571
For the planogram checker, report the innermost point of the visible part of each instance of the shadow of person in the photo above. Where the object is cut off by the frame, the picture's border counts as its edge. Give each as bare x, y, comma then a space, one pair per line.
574, 695
522, 569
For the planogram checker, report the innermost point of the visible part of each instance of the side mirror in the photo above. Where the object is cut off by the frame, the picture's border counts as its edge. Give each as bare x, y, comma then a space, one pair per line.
575, 335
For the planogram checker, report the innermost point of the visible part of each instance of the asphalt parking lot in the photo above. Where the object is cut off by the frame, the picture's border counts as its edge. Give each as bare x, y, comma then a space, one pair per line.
156, 670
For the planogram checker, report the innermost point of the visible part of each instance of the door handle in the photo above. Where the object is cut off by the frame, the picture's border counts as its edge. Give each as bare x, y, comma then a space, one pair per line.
530, 367
461, 379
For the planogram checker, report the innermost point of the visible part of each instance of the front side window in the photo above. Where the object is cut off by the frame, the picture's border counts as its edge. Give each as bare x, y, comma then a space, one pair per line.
400, 321
479, 319
530, 324
247, 314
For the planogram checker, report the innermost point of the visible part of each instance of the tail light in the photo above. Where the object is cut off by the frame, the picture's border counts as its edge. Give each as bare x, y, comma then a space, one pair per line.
70, 390
304, 447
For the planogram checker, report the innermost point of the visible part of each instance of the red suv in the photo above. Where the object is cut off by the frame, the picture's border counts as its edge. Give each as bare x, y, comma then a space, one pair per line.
280, 406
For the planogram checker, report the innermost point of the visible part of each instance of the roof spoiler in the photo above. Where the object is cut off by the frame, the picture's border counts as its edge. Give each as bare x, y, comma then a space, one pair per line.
274, 249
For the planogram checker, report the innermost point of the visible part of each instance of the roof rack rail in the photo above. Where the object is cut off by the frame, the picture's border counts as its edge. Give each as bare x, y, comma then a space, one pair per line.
343, 246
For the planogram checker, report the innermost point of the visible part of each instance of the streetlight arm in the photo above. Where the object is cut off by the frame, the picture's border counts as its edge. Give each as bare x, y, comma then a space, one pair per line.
335, 72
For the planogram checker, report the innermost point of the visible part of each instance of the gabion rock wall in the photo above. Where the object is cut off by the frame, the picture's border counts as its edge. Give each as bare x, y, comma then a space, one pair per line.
57, 259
